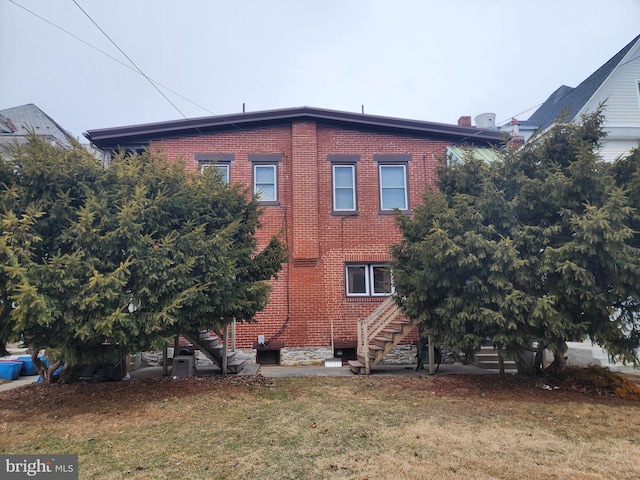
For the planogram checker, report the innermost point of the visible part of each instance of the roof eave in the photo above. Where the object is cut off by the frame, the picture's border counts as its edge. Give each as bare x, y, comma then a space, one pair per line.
143, 134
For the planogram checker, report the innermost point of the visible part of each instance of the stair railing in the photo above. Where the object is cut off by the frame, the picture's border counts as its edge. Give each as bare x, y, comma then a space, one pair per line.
372, 326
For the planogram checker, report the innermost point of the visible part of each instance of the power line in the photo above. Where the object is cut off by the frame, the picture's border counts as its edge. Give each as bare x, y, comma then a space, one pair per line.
109, 56
147, 78
131, 61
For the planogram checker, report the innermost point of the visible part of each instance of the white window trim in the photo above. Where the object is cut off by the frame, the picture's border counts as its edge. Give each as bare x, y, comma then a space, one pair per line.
353, 187
275, 181
368, 280
226, 176
405, 186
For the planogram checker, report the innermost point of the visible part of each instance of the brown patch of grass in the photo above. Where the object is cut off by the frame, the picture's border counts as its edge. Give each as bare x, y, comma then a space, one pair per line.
444, 427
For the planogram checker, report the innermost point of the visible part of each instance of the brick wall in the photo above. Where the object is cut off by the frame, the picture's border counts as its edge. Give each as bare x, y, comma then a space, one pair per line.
309, 301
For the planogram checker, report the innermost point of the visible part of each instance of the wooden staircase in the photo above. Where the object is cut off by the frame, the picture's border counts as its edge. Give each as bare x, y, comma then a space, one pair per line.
209, 344
385, 328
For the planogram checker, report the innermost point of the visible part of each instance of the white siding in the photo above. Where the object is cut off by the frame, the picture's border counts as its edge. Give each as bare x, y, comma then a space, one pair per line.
620, 91
622, 107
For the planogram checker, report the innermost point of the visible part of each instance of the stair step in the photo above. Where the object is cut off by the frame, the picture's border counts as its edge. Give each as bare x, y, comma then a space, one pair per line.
384, 339
375, 347
508, 365
356, 367
486, 356
235, 366
401, 325
392, 331
217, 350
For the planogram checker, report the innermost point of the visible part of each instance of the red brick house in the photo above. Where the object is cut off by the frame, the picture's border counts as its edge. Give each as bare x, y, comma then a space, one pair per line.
332, 181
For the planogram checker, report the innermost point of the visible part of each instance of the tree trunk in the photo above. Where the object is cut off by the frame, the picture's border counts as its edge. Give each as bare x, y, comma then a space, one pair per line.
46, 373
559, 362
500, 359
3, 349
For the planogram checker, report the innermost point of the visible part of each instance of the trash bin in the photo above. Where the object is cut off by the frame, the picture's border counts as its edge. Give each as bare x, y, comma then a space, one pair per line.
10, 370
183, 366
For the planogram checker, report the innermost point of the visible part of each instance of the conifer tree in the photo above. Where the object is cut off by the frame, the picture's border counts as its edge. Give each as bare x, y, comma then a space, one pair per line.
130, 255
529, 252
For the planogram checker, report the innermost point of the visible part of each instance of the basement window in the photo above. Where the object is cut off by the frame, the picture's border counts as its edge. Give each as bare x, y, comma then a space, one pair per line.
369, 280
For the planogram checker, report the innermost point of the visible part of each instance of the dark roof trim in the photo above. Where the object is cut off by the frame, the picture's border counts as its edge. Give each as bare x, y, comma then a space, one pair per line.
134, 136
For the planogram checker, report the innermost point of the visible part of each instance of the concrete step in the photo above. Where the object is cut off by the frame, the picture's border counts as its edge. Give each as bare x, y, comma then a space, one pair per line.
357, 367
235, 366
495, 365
488, 358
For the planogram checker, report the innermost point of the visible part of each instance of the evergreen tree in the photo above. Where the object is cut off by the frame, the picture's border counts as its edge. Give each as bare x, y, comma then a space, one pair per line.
529, 252
130, 255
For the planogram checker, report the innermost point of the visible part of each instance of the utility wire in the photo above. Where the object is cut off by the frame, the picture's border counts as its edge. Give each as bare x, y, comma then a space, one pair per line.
148, 79
155, 84
131, 61
109, 56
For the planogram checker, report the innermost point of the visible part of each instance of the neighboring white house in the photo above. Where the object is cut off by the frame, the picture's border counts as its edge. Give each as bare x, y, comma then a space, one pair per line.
617, 85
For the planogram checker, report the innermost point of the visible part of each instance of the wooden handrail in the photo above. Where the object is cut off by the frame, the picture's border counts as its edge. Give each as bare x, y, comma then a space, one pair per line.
371, 327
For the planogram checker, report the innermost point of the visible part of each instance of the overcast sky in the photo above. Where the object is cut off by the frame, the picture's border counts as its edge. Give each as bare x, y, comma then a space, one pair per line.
425, 60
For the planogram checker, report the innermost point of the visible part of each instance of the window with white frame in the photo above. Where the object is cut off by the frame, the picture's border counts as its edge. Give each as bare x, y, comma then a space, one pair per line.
393, 187
344, 187
265, 177
265, 182
221, 162
344, 194
393, 180
221, 168
368, 280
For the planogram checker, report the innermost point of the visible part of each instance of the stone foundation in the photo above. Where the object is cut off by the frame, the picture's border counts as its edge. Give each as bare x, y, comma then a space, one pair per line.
291, 357
299, 356
305, 356
400, 355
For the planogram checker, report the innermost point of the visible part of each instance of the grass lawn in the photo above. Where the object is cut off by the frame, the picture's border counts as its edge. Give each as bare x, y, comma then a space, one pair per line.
443, 427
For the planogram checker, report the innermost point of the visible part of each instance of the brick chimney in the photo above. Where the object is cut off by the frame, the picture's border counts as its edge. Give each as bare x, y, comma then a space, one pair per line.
515, 140
464, 121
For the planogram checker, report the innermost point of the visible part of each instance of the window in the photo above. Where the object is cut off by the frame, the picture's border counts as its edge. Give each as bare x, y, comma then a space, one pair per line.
222, 168
220, 161
343, 172
392, 171
344, 187
265, 177
393, 187
366, 280
265, 182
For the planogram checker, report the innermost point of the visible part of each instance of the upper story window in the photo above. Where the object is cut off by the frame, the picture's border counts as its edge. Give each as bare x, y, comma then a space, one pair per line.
394, 191
221, 168
265, 177
220, 161
343, 169
368, 280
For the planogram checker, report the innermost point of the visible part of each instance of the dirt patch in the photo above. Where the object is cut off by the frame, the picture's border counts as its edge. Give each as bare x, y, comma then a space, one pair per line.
56, 399
43, 398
